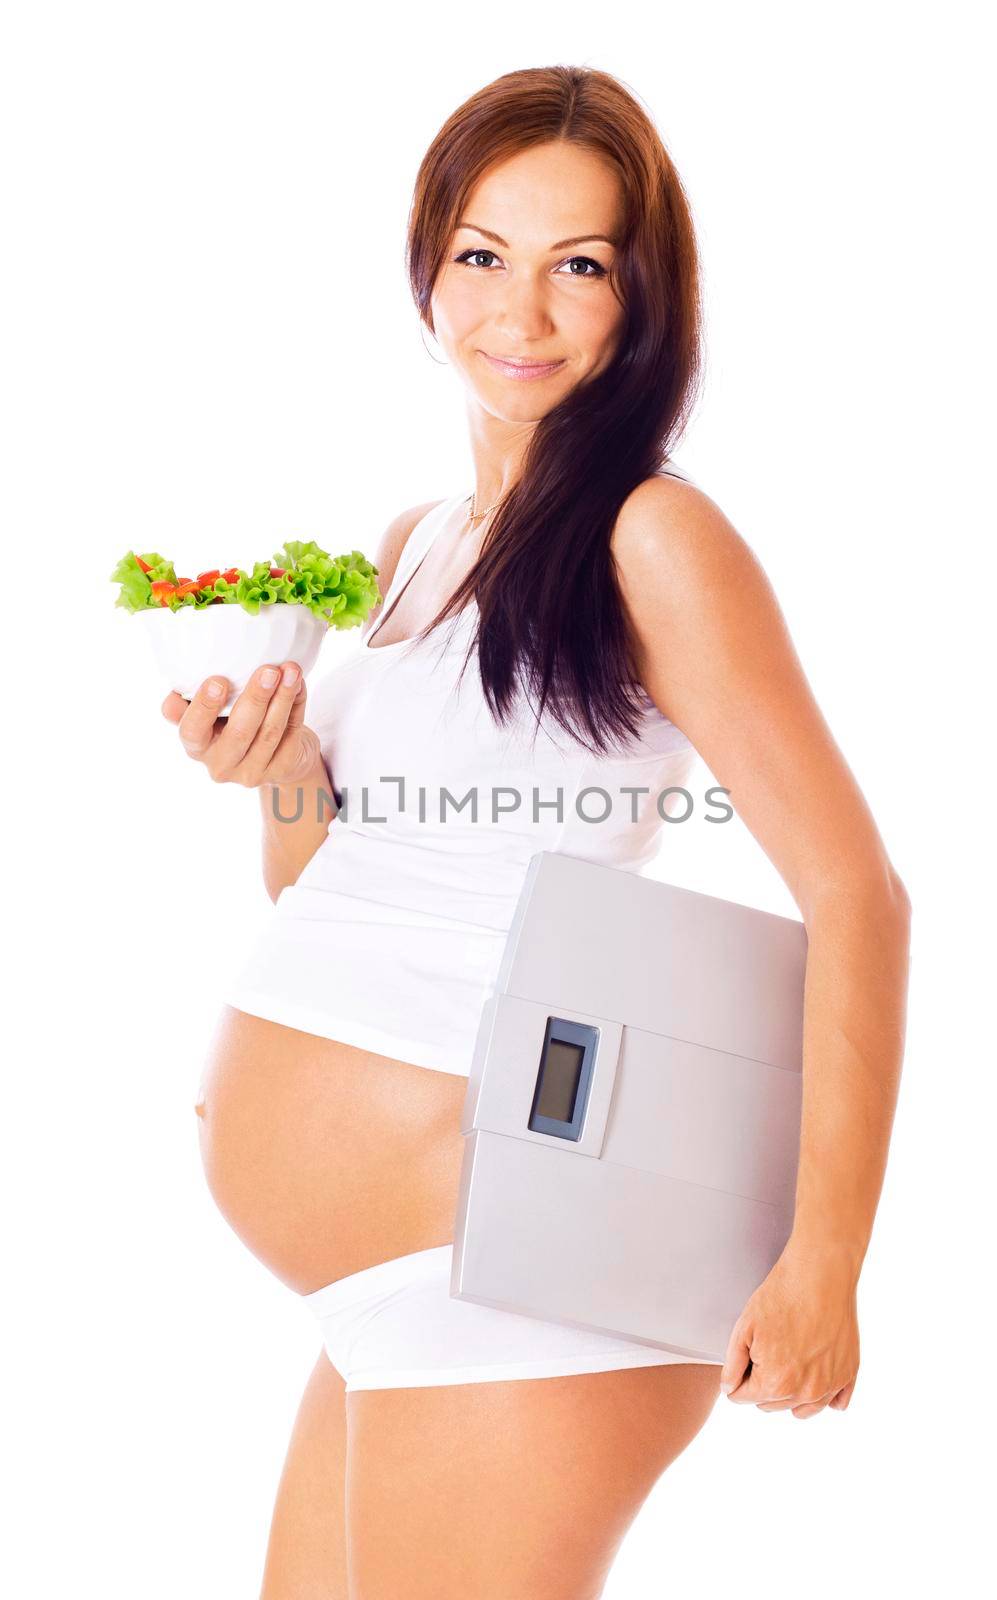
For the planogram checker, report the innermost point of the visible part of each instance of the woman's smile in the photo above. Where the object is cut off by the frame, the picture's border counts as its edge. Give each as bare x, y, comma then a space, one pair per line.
522, 370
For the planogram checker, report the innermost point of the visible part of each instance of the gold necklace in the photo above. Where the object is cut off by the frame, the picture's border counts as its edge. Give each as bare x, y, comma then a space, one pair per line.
476, 516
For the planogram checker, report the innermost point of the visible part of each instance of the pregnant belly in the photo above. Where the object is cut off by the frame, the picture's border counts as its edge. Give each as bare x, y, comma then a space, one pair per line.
324, 1158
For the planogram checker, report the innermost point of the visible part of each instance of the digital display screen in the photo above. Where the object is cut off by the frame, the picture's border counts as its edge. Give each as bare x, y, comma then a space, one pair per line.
559, 1081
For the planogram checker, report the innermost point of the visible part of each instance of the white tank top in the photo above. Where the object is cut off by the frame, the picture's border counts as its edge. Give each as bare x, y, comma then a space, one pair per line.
392, 935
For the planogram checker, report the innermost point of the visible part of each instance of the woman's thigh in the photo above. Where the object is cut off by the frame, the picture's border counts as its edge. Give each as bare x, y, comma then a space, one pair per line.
510, 1490
306, 1553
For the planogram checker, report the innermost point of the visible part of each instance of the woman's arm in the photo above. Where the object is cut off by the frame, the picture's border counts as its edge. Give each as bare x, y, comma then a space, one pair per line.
307, 808
289, 845
713, 651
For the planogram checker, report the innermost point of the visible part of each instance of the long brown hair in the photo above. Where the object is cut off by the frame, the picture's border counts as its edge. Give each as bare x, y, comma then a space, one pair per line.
551, 617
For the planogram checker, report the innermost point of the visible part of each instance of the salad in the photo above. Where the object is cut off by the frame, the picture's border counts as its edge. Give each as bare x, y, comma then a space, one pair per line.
342, 590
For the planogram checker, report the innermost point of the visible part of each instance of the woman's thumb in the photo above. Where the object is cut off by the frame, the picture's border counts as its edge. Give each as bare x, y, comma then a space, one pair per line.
737, 1358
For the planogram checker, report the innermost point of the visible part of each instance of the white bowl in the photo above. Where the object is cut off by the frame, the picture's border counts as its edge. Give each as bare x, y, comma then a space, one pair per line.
227, 641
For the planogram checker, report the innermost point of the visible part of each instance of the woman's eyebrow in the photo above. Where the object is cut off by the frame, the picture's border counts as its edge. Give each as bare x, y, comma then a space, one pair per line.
561, 244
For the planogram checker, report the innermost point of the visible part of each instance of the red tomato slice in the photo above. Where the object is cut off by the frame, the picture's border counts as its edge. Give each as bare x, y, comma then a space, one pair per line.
232, 575
162, 589
143, 564
277, 572
206, 579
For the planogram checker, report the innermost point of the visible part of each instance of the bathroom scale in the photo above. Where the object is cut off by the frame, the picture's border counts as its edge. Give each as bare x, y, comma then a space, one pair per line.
632, 1119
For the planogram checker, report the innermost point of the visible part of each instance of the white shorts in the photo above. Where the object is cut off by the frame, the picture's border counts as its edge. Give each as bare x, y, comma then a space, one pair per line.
396, 1326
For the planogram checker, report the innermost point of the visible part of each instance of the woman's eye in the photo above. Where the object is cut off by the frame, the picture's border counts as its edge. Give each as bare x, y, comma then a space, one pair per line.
586, 261
469, 254
598, 271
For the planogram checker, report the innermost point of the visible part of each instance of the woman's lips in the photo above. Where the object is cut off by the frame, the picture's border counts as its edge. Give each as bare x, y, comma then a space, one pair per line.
522, 371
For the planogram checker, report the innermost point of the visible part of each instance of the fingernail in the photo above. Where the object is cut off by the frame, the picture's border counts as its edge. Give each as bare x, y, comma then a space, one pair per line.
269, 677
290, 673
215, 689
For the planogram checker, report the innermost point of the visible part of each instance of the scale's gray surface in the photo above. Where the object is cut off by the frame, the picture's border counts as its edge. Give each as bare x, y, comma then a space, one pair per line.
666, 1194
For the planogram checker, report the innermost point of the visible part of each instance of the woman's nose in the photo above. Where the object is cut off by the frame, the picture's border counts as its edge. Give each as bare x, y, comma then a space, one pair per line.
523, 315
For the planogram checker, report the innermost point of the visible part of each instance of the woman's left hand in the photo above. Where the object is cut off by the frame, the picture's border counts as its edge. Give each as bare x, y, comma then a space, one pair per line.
795, 1346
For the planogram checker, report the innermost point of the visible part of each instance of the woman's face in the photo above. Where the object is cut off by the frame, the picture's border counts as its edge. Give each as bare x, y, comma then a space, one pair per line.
525, 280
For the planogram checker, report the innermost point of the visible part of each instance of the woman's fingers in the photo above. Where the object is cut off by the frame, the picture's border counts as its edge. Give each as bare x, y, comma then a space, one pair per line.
757, 1390
197, 725
799, 1408
244, 721
297, 715
174, 706
738, 1357
841, 1399
273, 729
810, 1408
240, 747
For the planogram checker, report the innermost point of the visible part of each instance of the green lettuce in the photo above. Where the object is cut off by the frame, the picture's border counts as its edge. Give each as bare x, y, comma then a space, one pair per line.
342, 590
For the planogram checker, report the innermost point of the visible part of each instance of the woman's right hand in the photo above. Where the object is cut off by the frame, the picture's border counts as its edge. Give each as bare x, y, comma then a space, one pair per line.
263, 738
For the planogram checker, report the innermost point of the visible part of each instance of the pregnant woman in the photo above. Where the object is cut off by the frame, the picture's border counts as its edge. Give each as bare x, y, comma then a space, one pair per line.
579, 614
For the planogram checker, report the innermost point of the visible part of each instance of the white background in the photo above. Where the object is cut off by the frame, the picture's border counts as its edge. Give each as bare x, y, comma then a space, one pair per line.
208, 346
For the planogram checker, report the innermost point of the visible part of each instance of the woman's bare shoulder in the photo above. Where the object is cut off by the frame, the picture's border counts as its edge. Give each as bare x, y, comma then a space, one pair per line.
715, 653
670, 524
391, 545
